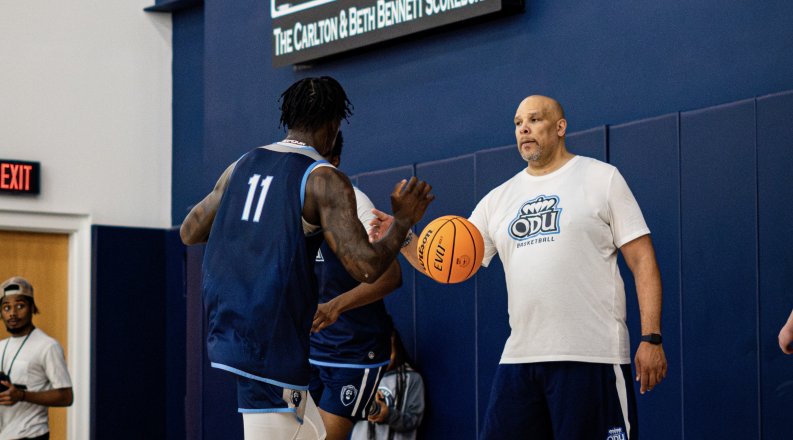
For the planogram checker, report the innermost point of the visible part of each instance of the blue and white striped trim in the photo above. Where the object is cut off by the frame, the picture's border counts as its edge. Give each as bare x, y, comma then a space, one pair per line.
265, 410
259, 378
322, 162
338, 365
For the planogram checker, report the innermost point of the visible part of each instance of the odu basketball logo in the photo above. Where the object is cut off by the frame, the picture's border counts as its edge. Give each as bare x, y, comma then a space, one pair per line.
616, 434
539, 216
348, 394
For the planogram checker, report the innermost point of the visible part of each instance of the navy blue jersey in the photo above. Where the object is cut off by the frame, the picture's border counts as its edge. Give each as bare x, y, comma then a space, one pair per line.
361, 336
260, 292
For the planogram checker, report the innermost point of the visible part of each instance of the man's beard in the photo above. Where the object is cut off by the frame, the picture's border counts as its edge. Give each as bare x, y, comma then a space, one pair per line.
532, 157
17, 330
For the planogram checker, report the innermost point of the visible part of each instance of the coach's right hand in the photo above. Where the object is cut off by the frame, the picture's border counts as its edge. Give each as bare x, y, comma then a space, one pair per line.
409, 200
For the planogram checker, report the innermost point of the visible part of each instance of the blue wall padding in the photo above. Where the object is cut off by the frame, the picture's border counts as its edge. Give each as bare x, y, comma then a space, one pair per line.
446, 314
195, 344
188, 114
134, 316
400, 303
647, 154
719, 271
175, 328
775, 193
493, 167
590, 143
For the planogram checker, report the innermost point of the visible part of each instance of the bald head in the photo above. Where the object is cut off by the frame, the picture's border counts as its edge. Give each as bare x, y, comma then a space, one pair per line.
549, 106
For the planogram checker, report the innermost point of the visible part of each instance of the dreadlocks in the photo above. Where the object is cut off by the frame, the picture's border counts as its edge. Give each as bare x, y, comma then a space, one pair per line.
400, 364
312, 102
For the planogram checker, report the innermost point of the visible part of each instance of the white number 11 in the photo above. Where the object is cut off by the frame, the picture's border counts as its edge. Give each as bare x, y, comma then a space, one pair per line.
253, 182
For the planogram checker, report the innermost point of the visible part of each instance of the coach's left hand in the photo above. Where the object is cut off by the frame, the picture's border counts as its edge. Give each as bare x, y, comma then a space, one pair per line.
650, 365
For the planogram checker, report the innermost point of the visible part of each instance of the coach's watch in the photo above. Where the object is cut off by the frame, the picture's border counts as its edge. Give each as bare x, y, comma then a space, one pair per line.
653, 338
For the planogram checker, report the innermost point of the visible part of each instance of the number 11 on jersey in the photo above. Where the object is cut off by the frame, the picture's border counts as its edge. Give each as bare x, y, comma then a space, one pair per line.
253, 183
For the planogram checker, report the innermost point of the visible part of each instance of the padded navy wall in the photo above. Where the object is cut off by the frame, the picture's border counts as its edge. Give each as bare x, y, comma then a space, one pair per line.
188, 111
714, 186
453, 92
647, 153
137, 328
775, 248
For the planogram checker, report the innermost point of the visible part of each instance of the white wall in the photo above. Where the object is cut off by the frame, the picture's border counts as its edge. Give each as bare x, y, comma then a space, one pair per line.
85, 89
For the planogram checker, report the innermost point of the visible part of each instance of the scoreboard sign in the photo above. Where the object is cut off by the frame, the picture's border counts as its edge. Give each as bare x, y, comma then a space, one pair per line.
17, 177
309, 29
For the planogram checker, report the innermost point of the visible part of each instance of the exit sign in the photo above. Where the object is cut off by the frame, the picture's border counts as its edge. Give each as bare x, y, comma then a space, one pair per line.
18, 177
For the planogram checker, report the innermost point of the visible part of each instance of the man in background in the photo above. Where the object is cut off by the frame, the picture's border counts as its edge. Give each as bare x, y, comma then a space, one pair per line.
33, 374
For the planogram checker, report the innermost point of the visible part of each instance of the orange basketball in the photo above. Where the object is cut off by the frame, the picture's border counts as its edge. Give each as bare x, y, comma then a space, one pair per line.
450, 249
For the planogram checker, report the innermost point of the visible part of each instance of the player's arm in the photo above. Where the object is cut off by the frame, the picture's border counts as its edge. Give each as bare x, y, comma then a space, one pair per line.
361, 295
786, 336
382, 223
650, 359
196, 226
330, 199
56, 397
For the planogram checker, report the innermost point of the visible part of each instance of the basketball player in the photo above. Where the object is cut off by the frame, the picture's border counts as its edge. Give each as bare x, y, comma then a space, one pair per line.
557, 226
350, 346
263, 223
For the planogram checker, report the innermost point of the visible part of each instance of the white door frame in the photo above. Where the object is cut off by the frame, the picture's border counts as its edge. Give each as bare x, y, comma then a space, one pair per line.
78, 227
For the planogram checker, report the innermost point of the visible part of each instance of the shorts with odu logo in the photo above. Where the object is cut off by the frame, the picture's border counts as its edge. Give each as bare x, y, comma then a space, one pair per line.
345, 391
561, 400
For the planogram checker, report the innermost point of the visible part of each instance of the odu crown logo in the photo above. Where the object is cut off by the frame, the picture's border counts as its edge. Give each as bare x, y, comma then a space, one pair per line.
539, 216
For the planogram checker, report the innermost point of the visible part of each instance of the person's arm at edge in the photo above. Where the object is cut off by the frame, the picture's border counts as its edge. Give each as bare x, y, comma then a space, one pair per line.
330, 199
360, 295
56, 397
650, 359
786, 336
196, 226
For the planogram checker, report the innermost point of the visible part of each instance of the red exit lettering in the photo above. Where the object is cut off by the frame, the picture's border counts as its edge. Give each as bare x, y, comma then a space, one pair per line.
15, 177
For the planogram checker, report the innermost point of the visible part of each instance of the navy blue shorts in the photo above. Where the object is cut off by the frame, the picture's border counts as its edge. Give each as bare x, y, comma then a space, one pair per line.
345, 392
255, 396
561, 400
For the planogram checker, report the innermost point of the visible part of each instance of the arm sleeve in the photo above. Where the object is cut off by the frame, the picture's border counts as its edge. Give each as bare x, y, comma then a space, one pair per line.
55, 367
627, 222
413, 411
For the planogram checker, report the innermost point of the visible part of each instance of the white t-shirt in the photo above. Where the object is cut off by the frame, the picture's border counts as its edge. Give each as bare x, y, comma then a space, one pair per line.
365, 207
558, 236
40, 366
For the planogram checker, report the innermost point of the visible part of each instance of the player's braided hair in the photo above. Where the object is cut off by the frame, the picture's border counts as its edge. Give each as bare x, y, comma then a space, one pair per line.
310, 103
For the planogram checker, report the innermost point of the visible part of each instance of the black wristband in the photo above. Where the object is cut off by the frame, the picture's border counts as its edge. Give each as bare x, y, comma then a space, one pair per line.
408, 238
652, 338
